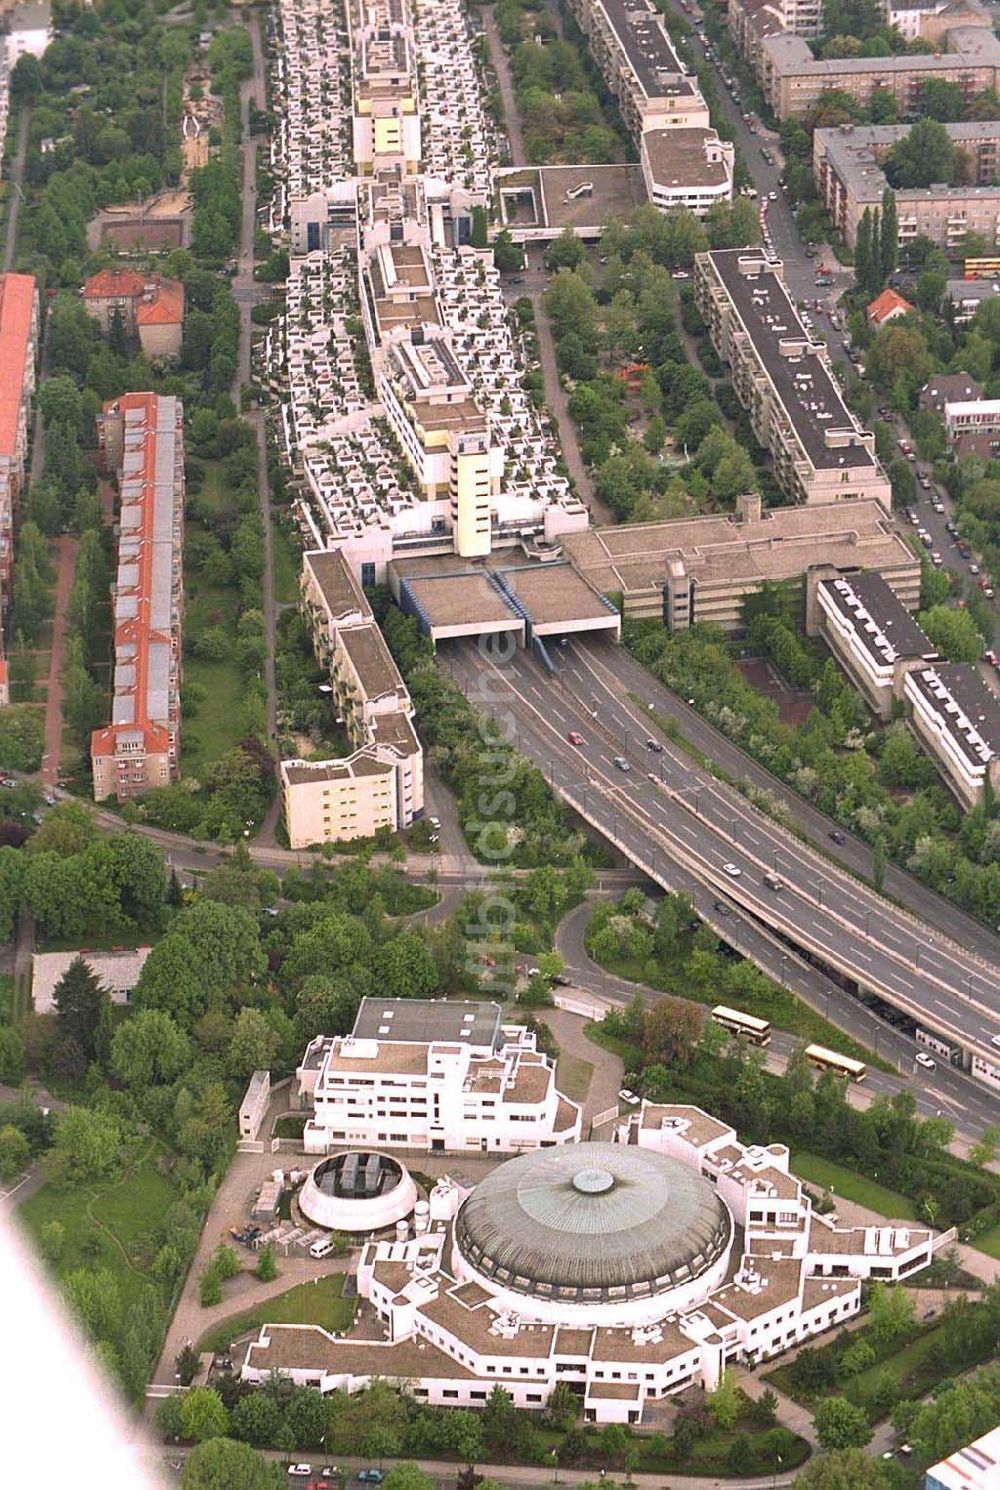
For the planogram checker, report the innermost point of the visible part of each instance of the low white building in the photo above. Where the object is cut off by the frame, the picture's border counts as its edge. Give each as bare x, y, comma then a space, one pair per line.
254, 1105
630, 1270
436, 1075
117, 970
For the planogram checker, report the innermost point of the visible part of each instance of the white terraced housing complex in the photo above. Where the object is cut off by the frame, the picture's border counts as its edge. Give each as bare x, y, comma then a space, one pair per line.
381, 223
435, 1075
541, 1275
380, 785
684, 162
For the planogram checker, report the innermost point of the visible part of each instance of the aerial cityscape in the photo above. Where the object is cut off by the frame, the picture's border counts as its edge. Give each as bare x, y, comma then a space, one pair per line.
500, 743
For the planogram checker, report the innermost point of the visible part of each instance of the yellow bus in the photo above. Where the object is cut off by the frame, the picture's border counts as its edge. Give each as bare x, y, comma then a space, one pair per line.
757, 1031
829, 1060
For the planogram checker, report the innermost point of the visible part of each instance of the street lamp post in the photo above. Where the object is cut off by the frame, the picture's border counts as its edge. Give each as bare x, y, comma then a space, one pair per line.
555, 1465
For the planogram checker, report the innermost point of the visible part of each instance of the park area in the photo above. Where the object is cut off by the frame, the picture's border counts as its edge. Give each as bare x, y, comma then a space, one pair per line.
852, 1186
320, 1301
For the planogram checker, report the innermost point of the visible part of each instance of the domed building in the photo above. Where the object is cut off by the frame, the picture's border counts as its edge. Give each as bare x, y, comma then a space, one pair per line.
627, 1271
358, 1191
599, 1231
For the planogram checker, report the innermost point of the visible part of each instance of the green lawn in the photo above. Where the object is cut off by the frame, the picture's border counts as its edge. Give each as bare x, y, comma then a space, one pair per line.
286, 566
573, 1076
6, 998
852, 1186
320, 1302
905, 1367
109, 1225
218, 723
989, 1242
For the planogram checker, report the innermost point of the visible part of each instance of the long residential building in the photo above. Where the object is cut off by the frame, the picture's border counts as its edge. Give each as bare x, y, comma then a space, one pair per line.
957, 717
141, 436
18, 346
784, 380
631, 1270
793, 80
871, 633
684, 162
436, 1075
381, 783
848, 167
701, 569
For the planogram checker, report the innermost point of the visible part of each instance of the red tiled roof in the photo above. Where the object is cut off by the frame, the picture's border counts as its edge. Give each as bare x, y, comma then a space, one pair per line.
164, 308
114, 283
139, 630
17, 302
887, 304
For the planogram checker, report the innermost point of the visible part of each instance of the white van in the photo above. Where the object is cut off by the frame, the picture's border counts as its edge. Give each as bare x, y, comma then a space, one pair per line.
322, 1248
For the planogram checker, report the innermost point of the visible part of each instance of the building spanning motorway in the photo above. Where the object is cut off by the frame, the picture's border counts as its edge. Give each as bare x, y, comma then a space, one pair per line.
141, 439
784, 380
435, 1075
848, 167
701, 569
381, 784
630, 1270
684, 162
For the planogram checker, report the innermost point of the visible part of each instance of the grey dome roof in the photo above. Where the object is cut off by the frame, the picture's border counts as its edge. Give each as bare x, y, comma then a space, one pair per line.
592, 1221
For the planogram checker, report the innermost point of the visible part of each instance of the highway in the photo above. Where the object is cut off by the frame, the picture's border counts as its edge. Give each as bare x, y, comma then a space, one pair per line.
678, 823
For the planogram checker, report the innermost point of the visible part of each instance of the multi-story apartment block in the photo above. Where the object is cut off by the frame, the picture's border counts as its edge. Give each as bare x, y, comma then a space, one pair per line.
386, 126
631, 1270
848, 166
793, 80
783, 378
18, 344
145, 306
435, 1075
380, 785
749, 20
973, 427
142, 440
684, 163
957, 717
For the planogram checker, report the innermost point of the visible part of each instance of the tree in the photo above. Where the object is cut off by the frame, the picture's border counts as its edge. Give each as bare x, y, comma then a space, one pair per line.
257, 1419
82, 1005
567, 252
87, 1145
844, 1469
841, 1424
95, 1298
15, 1151
891, 1312
223, 1464
863, 251
889, 248
149, 1050
922, 157
203, 1415
11, 1055
253, 1046
724, 1402
672, 1030
267, 1268
953, 632
52, 1240
407, 1476
508, 256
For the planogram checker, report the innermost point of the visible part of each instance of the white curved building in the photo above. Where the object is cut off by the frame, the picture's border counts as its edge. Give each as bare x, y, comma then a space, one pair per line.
595, 1233
615, 1268
358, 1191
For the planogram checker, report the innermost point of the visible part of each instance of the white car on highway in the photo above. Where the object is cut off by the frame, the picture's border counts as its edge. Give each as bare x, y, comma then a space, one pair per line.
922, 1059
733, 870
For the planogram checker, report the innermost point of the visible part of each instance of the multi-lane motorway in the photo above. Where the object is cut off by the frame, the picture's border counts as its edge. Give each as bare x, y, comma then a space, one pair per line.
683, 827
